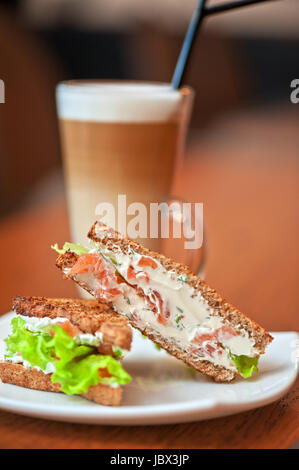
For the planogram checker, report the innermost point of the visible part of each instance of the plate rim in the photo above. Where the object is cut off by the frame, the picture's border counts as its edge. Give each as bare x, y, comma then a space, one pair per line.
154, 413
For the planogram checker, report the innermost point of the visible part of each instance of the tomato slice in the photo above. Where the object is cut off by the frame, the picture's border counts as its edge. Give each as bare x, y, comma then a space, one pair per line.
108, 281
206, 345
119, 279
142, 276
145, 261
70, 329
133, 275
200, 338
213, 349
84, 262
161, 311
223, 333
226, 332
105, 274
104, 373
107, 295
97, 268
209, 343
114, 291
163, 318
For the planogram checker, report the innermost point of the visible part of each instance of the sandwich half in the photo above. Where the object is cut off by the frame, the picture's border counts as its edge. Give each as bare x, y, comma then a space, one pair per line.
167, 302
67, 345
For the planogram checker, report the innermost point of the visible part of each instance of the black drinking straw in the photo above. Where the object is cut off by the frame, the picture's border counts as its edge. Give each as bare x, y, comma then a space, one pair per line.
231, 6
188, 43
200, 12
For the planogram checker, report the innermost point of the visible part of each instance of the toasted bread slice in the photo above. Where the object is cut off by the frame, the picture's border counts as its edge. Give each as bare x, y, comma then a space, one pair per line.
200, 328
85, 316
17, 374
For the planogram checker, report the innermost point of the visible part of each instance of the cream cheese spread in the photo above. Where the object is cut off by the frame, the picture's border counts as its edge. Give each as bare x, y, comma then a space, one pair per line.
17, 359
43, 325
189, 315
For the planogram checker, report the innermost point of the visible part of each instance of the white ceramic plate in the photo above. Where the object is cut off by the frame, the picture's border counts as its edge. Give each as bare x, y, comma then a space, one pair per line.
163, 390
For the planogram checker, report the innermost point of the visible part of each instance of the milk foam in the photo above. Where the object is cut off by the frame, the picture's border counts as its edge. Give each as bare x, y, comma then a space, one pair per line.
119, 102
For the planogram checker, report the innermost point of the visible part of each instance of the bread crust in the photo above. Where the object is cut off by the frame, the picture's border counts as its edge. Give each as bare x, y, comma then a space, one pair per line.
113, 240
230, 314
218, 373
17, 374
89, 316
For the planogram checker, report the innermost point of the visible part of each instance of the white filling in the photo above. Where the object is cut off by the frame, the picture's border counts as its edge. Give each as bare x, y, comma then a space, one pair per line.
90, 340
43, 325
37, 324
17, 359
190, 314
119, 352
50, 368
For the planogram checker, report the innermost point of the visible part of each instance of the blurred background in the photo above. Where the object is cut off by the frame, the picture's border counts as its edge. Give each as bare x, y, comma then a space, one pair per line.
242, 153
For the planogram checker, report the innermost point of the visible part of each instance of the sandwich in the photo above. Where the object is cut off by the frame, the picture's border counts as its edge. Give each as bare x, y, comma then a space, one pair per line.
67, 345
167, 302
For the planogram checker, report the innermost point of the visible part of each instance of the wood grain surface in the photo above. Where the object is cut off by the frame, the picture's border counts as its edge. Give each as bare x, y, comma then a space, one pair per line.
250, 210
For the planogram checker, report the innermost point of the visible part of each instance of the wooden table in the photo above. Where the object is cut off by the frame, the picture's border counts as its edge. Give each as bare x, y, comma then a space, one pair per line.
252, 221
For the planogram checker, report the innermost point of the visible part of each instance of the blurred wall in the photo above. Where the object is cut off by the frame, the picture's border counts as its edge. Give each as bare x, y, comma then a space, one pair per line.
241, 59
29, 142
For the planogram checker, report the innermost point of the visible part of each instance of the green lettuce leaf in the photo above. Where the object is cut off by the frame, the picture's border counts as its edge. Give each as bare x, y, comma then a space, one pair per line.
77, 367
245, 364
74, 247
77, 376
38, 349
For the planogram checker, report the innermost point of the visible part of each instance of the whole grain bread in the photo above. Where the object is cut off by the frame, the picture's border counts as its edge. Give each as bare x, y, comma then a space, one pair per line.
218, 373
114, 241
100, 233
17, 374
88, 316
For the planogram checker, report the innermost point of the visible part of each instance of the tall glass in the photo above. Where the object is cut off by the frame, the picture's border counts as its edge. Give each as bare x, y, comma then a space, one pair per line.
119, 138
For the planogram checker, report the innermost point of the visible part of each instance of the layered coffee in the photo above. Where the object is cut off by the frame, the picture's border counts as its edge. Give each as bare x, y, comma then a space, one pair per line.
118, 138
